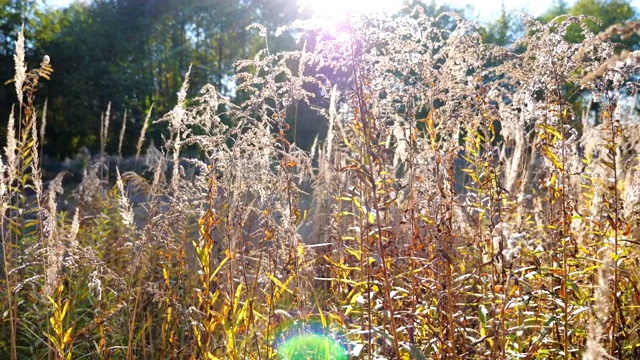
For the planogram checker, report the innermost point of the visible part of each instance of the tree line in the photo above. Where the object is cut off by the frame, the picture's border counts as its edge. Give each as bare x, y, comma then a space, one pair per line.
134, 53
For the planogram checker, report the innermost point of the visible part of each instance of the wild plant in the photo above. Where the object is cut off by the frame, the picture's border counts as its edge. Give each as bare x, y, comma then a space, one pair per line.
21, 178
61, 338
461, 205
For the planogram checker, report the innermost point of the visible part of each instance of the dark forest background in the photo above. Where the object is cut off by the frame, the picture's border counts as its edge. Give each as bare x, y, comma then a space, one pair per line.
134, 53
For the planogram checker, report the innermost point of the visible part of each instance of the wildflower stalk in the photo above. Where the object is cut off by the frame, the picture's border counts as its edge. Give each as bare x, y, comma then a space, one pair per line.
203, 327
143, 132
61, 339
612, 125
20, 175
566, 234
8, 246
122, 131
367, 123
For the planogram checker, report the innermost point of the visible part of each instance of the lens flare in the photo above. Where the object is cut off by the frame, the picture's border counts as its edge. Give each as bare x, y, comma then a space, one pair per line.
311, 346
308, 339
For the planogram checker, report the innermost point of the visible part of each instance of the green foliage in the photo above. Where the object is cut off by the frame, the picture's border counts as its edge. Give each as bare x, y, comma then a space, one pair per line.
557, 8
134, 54
501, 31
604, 12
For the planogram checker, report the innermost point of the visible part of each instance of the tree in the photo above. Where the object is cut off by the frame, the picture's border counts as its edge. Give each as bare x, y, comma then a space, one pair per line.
605, 12
608, 12
134, 53
500, 31
13, 15
557, 8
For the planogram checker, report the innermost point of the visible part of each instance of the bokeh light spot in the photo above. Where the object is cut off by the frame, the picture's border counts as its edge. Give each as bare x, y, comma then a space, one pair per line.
310, 339
311, 347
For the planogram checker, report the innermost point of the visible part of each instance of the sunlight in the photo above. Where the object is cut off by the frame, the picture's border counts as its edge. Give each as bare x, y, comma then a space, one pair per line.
339, 9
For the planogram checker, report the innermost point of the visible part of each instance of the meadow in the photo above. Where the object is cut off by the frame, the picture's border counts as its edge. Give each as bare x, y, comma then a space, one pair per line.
468, 201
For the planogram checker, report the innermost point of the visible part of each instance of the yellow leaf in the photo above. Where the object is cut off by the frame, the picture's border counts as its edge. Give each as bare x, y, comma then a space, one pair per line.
341, 266
236, 298
210, 356
224, 261
323, 320
55, 305
67, 337
371, 218
279, 283
165, 274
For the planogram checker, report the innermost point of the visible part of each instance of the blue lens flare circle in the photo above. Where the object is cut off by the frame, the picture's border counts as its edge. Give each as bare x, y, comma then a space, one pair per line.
309, 340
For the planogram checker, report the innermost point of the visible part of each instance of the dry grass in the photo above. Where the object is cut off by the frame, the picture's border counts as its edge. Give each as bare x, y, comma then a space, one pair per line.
459, 207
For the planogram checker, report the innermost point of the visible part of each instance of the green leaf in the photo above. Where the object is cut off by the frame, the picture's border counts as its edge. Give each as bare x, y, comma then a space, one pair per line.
482, 314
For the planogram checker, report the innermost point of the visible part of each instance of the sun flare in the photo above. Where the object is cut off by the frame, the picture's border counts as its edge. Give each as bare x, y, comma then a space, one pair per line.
337, 9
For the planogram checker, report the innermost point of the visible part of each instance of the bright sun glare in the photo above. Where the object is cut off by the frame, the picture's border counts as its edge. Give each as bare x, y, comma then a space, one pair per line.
337, 9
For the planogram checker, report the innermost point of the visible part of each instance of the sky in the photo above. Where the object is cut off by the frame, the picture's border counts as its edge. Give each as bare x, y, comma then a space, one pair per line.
490, 9
484, 10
